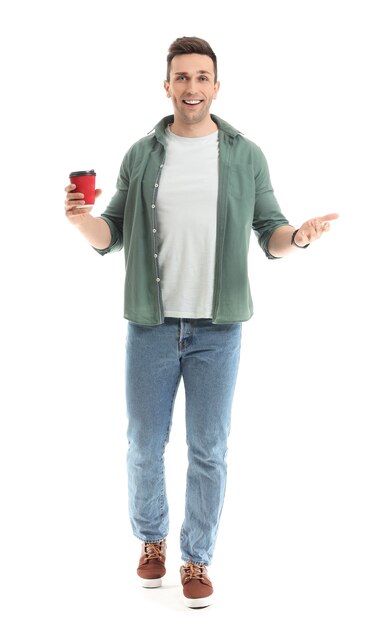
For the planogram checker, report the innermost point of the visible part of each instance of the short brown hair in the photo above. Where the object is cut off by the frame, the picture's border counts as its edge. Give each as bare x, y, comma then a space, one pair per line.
190, 45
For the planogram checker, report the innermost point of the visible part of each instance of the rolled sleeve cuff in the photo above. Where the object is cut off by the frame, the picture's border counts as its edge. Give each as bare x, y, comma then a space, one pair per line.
116, 240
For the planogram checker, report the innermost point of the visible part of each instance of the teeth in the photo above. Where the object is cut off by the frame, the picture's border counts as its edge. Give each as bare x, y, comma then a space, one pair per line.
193, 101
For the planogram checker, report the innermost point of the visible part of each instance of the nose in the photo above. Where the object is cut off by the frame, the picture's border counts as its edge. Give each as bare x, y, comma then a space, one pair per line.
193, 85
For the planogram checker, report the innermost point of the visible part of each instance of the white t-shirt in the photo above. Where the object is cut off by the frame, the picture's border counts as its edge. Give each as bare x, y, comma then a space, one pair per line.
187, 223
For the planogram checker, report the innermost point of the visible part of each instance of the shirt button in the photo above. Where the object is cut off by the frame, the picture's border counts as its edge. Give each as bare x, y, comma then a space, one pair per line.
158, 280
154, 230
153, 206
161, 165
156, 185
155, 256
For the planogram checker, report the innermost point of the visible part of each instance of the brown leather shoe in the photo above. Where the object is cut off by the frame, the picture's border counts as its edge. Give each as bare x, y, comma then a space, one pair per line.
151, 566
197, 587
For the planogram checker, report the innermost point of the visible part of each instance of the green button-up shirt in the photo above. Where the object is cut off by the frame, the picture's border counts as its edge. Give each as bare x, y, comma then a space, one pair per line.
246, 202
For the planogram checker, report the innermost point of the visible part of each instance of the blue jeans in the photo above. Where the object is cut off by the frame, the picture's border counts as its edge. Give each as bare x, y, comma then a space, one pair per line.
206, 355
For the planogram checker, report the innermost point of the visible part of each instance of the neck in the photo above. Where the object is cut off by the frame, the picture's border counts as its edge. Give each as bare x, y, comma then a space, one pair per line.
199, 129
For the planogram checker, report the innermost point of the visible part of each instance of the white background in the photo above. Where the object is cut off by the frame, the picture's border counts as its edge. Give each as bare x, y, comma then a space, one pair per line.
300, 540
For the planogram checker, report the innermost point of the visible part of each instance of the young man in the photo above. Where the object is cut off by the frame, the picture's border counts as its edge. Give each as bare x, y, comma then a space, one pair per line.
188, 196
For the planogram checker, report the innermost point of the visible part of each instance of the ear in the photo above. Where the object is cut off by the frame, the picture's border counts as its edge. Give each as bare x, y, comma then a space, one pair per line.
216, 89
167, 88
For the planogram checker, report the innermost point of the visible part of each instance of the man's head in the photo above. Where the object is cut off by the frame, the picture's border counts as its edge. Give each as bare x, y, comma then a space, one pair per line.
192, 85
190, 45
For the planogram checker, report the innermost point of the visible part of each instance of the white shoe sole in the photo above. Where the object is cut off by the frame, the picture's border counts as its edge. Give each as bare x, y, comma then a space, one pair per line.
198, 603
150, 583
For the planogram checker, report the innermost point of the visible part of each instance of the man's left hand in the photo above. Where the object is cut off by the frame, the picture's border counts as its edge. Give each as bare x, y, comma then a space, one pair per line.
313, 229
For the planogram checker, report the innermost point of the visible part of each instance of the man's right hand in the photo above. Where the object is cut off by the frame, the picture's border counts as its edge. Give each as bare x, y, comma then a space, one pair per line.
74, 209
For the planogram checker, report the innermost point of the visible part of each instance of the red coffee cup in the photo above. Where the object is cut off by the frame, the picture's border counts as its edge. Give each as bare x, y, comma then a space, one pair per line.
85, 182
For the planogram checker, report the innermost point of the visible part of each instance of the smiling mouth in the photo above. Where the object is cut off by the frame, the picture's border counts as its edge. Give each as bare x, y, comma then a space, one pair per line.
192, 103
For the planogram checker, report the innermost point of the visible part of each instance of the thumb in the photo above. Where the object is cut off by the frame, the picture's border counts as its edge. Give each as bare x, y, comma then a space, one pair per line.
98, 192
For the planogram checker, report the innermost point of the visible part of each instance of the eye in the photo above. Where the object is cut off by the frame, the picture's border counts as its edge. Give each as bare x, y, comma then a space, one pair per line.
203, 77
181, 77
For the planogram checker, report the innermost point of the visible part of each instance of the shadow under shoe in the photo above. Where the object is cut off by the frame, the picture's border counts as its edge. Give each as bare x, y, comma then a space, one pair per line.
151, 567
197, 586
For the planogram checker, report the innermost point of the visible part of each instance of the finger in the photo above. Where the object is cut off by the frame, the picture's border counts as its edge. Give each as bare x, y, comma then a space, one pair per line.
70, 187
317, 230
75, 196
329, 217
73, 211
73, 203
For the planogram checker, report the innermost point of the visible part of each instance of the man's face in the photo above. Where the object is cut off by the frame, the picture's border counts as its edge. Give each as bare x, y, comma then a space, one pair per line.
191, 87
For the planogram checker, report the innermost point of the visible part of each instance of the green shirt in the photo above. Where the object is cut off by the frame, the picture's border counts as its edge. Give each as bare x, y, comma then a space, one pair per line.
246, 202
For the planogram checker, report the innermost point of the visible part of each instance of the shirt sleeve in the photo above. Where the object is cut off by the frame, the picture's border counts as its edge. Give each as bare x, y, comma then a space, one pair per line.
267, 212
114, 212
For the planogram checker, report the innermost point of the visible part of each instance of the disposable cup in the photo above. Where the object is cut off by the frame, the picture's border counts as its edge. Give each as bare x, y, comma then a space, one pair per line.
85, 181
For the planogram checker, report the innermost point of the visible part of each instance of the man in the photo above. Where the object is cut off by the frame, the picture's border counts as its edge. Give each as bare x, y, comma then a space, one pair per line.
188, 196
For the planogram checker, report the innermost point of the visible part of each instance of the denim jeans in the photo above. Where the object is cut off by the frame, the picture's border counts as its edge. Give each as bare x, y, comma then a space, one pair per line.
206, 356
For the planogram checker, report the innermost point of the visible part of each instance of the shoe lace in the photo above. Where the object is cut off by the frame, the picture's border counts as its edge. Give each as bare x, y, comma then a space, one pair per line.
154, 551
193, 571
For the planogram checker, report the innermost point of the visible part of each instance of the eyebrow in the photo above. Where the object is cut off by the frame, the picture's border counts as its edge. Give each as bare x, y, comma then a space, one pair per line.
186, 73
